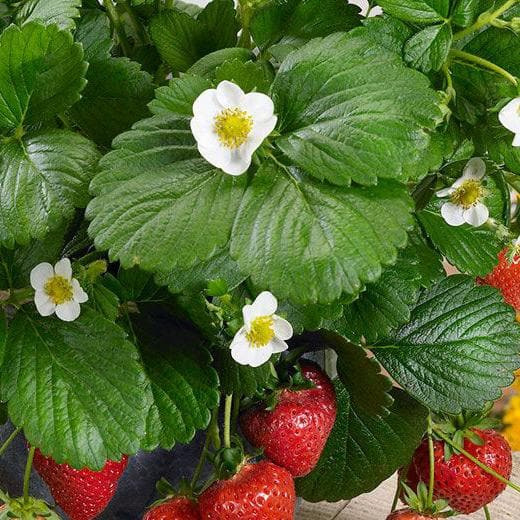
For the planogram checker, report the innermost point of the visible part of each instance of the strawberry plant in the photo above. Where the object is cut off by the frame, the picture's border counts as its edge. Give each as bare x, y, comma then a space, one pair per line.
196, 201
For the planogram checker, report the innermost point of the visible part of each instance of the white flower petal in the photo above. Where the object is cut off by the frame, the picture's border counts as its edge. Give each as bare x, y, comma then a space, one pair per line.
63, 268
217, 156
516, 140
44, 305
239, 162
206, 106
509, 116
258, 356
458, 182
453, 214
445, 192
204, 132
229, 95
78, 293
476, 215
245, 354
278, 346
259, 132
259, 106
282, 328
265, 304
40, 274
474, 169
68, 311
248, 315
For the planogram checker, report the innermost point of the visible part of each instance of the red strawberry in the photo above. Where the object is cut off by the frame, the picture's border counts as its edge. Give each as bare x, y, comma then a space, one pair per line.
84, 493
506, 277
177, 508
465, 486
260, 491
294, 434
409, 514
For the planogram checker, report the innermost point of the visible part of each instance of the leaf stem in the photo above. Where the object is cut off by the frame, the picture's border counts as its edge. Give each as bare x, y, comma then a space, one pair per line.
396, 495
431, 454
483, 20
473, 459
27, 474
472, 58
8, 441
118, 26
227, 420
245, 19
202, 459
487, 513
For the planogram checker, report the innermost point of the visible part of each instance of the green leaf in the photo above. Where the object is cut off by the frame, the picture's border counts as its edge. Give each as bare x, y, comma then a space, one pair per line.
41, 74
182, 39
195, 278
301, 20
360, 108
59, 12
93, 33
310, 242
43, 177
428, 49
179, 95
158, 213
417, 11
184, 386
429, 262
249, 76
92, 393
309, 317
104, 301
240, 379
116, 96
388, 32
472, 250
208, 65
362, 450
459, 349
466, 12
385, 304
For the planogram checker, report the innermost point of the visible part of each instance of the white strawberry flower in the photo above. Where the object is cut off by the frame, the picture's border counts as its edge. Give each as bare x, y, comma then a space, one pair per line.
515, 251
263, 334
229, 125
509, 116
56, 290
465, 197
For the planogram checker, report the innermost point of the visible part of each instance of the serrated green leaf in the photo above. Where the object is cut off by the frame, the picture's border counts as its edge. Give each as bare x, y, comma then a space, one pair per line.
385, 304
388, 32
92, 393
360, 108
309, 317
157, 213
41, 74
459, 349
207, 65
301, 20
182, 39
362, 450
103, 300
184, 385
179, 95
43, 177
417, 11
59, 12
311, 242
219, 267
472, 250
93, 32
428, 49
249, 76
466, 12
429, 262
240, 379
116, 96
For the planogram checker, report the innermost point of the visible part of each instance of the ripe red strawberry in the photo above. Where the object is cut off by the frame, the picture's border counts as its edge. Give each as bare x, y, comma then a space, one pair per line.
466, 487
409, 514
177, 508
294, 434
84, 493
506, 277
260, 491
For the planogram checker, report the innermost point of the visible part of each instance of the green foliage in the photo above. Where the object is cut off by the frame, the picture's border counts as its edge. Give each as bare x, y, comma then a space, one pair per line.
59, 12
428, 49
417, 11
459, 348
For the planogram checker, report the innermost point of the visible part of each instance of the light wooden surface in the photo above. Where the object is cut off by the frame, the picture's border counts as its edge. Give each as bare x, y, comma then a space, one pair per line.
376, 505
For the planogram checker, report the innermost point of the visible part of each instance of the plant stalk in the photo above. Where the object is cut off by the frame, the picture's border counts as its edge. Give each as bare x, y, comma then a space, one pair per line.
8, 441
431, 453
227, 420
118, 26
134, 21
487, 513
484, 20
27, 474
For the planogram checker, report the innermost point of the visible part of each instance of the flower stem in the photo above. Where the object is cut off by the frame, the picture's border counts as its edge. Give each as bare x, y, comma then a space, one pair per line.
486, 512
118, 26
480, 464
477, 60
431, 452
27, 474
396, 495
484, 20
227, 420
8, 441
134, 21
202, 460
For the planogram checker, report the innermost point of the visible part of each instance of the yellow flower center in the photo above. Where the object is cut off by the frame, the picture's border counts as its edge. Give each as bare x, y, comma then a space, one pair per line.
233, 127
59, 289
261, 332
468, 193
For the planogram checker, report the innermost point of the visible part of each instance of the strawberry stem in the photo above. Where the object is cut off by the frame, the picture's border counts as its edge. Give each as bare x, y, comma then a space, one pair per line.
397, 495
205, 449
486, 512
480, 464
227, 420
10, 439
27, 474
431, 452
